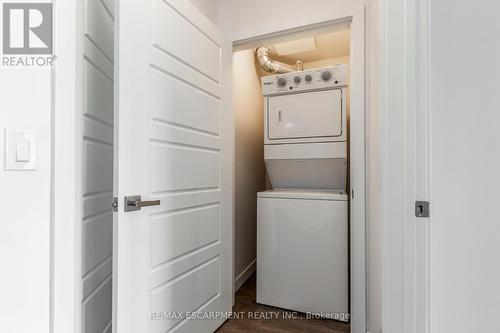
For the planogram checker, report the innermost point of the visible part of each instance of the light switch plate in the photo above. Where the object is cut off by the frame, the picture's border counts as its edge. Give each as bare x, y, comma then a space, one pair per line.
23, 150
20, 150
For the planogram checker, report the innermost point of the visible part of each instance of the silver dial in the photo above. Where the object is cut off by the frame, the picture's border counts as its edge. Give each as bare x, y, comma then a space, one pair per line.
326, 75
281, 82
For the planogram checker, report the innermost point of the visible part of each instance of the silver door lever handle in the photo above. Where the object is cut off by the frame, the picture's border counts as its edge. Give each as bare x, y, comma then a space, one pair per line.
141, 204
133, 203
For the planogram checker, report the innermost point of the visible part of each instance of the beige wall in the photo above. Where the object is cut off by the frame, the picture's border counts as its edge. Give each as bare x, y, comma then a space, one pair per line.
326, 62
250, 169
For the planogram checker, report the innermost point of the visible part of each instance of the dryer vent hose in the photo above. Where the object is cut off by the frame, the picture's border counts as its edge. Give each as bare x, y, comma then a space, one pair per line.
273, 66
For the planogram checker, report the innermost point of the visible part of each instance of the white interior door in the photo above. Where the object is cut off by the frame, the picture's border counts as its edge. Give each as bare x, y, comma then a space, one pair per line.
174, 143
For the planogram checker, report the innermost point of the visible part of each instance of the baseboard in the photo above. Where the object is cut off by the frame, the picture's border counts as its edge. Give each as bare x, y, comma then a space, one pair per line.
243, 277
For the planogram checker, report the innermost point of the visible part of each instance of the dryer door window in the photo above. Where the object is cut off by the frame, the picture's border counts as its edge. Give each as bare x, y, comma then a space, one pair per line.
307, 115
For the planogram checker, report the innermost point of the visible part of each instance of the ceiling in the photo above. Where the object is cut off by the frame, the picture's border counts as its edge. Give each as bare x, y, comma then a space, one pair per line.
330, 45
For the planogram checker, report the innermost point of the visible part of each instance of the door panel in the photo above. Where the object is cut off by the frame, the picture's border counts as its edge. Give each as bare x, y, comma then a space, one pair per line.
98, 94
188, 284
196, 48
174, 144
308, 115
97, 166
176, 168
183, 104
99, 25
96, 310
205, 220
97, 245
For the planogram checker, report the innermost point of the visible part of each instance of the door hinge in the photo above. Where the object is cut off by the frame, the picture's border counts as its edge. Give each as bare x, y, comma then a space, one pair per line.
115, 204
422, 208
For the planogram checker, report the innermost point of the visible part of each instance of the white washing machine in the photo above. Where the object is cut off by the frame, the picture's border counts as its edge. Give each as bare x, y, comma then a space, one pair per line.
302, 224
302, 251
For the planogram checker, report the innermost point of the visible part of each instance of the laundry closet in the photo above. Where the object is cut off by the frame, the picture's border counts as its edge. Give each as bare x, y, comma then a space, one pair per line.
291, 102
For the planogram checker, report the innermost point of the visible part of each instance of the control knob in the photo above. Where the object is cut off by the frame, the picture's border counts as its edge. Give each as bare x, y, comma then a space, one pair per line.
326, 75
297, 79
309, 78
281, 82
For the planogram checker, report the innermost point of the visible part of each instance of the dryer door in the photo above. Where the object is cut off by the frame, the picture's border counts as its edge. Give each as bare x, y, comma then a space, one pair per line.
306, 115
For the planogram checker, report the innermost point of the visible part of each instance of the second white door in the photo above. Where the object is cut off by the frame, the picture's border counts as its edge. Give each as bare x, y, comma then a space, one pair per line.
174, 148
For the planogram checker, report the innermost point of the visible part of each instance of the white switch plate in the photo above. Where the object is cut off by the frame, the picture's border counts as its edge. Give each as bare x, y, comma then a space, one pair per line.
20, 150
23, 150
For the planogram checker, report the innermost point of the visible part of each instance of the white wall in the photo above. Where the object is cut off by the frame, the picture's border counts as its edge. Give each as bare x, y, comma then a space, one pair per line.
241, 19
464, 166
25, 219
25, 196
207, 7
250, 171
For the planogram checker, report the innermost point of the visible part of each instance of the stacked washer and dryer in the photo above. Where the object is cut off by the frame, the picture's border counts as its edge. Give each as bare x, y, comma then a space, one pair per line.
302, 223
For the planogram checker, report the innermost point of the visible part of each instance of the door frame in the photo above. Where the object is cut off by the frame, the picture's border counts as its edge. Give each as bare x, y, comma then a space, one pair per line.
66, 168
352, 16
406, 167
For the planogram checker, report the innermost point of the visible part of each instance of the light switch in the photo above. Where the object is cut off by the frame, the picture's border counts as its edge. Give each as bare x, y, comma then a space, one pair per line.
23, 150
20, 150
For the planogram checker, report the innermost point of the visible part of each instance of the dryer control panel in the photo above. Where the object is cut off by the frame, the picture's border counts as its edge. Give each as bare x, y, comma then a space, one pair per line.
314, 79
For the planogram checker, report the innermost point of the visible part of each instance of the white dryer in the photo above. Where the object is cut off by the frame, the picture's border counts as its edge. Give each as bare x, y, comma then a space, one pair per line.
302, 224
305, 128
